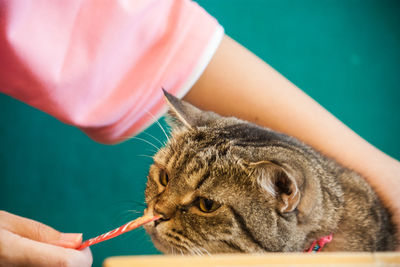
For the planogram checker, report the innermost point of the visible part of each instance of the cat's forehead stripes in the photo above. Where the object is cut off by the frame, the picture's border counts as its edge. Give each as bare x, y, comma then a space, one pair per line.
190, 162
201, 179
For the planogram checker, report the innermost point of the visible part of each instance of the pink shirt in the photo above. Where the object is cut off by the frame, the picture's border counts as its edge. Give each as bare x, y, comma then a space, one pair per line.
100, 65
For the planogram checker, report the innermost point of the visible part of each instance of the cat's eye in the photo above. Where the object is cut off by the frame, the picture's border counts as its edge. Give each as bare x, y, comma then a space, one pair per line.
207, 205
164, 178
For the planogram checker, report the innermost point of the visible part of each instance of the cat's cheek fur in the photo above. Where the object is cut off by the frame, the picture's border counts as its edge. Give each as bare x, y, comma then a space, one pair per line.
159, 244
157, 239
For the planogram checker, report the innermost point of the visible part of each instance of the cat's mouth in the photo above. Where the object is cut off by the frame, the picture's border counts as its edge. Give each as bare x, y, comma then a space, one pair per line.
149, 211
160, 241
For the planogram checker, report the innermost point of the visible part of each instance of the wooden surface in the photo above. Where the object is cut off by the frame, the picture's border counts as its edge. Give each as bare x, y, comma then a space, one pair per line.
276, 259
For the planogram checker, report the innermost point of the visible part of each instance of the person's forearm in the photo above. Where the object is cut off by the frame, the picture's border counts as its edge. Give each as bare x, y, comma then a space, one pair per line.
237, 83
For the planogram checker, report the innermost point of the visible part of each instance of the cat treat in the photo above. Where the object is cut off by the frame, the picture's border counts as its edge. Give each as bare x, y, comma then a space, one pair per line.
120, 230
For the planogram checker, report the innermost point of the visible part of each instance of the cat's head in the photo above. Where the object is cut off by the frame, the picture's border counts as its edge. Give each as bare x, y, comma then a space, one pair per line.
222, 185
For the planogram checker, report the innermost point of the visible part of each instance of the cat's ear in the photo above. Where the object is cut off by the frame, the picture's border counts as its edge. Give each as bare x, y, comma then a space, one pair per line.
278, 182
186, 115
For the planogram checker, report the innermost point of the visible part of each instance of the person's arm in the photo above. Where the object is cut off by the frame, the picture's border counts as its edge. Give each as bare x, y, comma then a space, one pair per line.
24, 242
238, 83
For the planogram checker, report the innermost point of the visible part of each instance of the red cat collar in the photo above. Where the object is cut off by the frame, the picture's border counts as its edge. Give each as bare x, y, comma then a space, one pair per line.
317, 245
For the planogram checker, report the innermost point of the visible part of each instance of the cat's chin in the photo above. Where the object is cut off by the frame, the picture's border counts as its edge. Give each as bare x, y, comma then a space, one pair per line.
157, 241
162, 247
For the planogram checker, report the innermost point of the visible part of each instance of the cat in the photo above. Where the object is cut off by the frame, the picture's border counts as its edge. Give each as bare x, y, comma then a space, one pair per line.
224, 185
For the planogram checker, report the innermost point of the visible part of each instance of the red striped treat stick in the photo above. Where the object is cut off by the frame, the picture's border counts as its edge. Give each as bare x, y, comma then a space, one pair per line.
120, 230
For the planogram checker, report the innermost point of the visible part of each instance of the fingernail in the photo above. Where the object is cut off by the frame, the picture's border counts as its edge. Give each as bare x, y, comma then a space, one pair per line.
71, 240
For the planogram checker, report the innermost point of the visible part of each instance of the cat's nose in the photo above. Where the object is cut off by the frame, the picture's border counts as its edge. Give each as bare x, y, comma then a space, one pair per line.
165, 211
164, 216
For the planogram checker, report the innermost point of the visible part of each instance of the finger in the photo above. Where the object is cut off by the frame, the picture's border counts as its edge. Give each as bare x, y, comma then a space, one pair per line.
20, 251
38, 231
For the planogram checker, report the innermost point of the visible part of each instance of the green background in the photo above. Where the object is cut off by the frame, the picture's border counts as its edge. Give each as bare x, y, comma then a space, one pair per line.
345, 54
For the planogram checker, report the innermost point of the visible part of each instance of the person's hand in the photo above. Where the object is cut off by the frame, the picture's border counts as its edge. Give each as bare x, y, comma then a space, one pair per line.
24, 242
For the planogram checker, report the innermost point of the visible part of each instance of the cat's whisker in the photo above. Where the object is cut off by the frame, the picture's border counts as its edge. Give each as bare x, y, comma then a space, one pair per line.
127, 210
206, 251
158, 123
200, 253
130, 203
146, 156
155, 138
146, 141
141, 203
126, 215
195, 251
135, 211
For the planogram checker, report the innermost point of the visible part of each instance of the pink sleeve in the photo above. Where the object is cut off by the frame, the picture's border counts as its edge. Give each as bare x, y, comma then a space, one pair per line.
100, 65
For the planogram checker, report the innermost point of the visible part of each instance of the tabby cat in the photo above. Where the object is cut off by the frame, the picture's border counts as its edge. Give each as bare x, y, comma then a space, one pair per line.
223, 185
